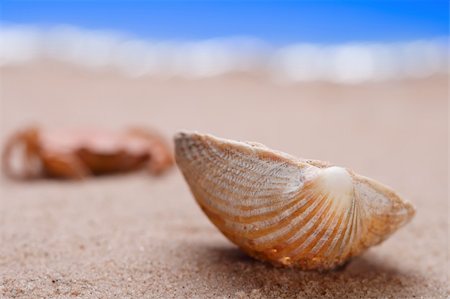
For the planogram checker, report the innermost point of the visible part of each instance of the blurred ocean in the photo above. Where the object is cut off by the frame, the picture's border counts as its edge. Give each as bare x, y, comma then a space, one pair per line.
346, 42
342, 63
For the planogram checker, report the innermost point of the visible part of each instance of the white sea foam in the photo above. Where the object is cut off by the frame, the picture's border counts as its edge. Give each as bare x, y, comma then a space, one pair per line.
346, 63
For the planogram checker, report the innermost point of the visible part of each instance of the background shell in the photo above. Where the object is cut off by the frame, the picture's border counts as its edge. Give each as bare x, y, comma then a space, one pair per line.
288, 211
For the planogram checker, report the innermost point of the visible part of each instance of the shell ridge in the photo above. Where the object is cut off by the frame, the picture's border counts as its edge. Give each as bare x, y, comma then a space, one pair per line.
242, 207
251, 184
292, 227
313, 238
337, 248
329, 235
266, 229
302, 232
248, 161
340, 232
345, 250
245, 216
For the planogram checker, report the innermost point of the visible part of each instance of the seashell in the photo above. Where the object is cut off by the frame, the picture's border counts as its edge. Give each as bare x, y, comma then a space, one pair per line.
293, 212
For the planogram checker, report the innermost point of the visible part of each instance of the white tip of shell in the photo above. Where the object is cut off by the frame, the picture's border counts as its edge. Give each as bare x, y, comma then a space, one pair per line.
337, 179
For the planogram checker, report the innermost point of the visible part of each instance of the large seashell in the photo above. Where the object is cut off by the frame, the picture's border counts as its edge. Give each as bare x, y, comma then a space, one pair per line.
293, 212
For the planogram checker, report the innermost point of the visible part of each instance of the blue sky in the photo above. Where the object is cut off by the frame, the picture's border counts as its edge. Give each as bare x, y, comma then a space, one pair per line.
278, 22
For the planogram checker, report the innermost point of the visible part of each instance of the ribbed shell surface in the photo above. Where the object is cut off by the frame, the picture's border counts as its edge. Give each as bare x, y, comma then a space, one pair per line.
287, 211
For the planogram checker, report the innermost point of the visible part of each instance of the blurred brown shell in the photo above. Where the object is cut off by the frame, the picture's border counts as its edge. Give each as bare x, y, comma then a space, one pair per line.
78, 153
288, 211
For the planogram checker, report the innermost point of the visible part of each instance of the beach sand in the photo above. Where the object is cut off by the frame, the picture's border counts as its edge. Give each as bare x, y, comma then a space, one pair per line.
135, 236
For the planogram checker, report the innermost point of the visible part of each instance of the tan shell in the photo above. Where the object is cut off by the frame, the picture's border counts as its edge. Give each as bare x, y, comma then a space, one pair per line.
288, 211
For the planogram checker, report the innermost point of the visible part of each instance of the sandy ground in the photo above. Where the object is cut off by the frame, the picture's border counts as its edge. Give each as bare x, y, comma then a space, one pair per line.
135, 236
